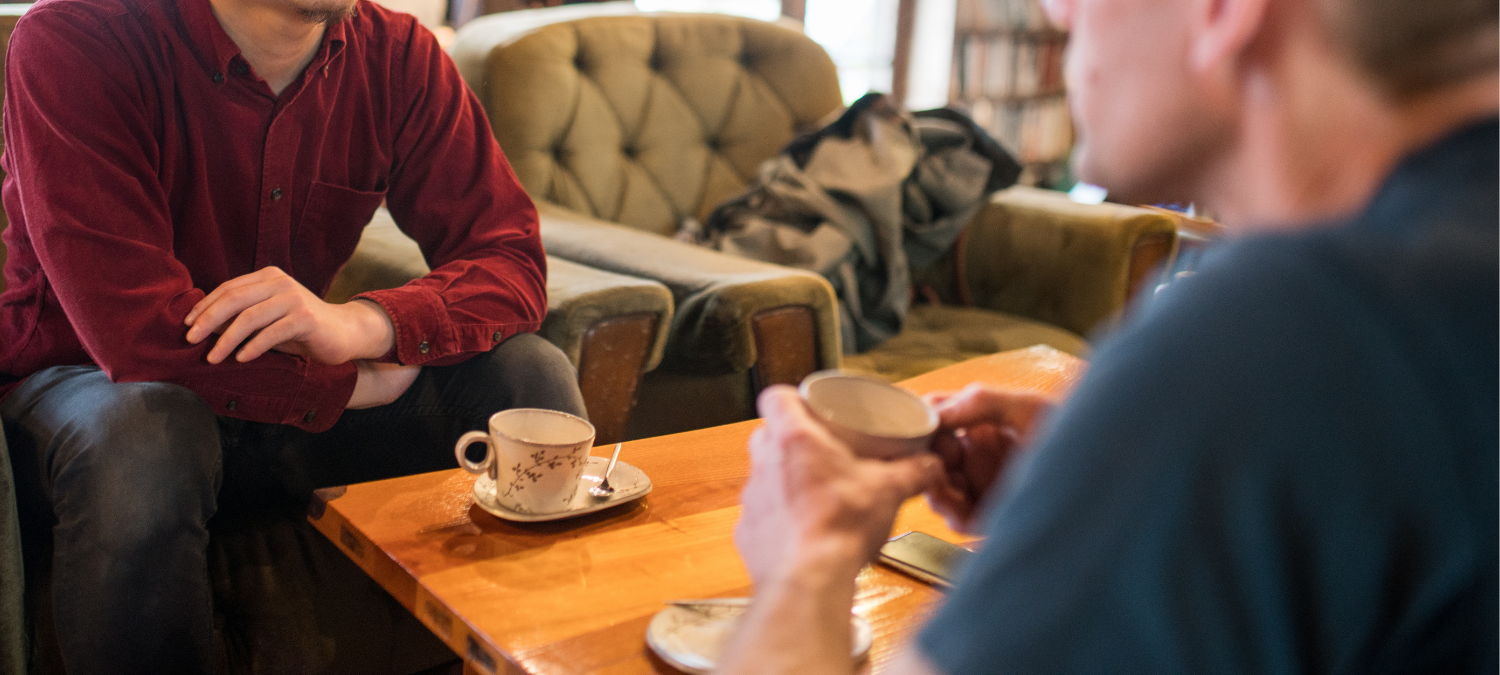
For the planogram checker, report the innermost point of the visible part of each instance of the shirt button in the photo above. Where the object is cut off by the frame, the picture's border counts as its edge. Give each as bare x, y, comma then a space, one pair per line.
496, 337
275, 194
309, 417
218, 78
424, 347
232, 405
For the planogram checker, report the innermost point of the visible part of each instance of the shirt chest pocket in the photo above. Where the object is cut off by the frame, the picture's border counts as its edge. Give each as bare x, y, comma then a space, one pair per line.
328, 232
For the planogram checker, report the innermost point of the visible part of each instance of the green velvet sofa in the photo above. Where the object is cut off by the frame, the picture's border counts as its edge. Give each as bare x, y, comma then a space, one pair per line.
623, 124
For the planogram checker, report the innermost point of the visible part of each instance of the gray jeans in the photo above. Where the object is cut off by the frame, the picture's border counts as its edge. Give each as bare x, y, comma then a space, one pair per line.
132, 473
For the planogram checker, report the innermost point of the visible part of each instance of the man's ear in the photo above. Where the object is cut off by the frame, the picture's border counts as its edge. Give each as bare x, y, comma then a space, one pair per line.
1224, 30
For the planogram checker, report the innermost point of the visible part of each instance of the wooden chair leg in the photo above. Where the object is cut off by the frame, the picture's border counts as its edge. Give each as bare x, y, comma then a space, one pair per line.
786, 345
610, 368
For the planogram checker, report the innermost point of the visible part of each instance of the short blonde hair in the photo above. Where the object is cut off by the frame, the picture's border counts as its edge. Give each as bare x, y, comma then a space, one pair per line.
1414, 46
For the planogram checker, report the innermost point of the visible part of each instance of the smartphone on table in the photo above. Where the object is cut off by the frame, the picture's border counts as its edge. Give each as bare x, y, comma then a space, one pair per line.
925, 557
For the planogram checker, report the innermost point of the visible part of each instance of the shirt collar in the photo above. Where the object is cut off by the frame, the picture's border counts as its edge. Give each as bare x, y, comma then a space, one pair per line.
213, 44
333, 41
1451, 180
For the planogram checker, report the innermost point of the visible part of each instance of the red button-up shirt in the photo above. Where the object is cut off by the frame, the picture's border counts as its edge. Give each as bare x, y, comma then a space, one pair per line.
147, 164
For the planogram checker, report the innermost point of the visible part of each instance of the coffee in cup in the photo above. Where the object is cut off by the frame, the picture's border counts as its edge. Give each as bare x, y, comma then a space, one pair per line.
876, 419
536, 457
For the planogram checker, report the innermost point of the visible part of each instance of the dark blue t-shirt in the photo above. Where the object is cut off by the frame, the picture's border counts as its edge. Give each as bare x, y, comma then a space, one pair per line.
1286, 464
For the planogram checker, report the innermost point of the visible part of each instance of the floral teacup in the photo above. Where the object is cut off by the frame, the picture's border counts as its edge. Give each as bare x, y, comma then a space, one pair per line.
536, 457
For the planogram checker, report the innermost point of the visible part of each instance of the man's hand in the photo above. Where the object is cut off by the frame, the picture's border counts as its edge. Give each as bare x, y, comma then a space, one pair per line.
811, 500
980, 431
811, 515
380, 384
274, 311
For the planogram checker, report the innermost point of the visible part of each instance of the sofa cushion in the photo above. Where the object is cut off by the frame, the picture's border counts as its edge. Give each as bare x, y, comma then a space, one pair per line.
937, 336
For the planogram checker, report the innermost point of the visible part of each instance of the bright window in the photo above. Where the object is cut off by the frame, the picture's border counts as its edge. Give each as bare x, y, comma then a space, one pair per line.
860, 35
765, 10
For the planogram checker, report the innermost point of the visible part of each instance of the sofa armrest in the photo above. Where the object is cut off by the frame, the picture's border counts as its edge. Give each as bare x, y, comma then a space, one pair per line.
732, 314
13, 652
580, 299
1037, 254
612, 327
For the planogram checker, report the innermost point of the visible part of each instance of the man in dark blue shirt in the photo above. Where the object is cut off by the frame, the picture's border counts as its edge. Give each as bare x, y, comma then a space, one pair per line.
1286, 463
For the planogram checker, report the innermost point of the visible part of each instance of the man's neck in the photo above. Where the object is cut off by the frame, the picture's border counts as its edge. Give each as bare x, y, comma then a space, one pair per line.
275, 38
1317, 141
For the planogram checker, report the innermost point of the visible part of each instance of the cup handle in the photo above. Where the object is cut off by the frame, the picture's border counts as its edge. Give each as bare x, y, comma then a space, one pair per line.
463, 444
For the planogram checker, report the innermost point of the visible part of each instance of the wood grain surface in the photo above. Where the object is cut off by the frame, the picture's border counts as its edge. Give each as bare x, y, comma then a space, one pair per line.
575, 596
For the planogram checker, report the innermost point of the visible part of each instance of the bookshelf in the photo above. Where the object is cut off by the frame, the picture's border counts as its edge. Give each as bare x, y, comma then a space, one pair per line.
1008, 74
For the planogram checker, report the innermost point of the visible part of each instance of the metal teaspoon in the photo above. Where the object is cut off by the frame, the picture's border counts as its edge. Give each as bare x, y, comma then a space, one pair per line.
603, 489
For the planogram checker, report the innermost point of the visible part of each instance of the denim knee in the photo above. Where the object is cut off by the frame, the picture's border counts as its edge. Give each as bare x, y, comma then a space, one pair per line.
131, 461
527, 371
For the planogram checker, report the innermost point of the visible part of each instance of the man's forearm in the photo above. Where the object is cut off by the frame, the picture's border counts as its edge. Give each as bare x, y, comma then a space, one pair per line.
379, 328
803, 627
380, 383
799, 624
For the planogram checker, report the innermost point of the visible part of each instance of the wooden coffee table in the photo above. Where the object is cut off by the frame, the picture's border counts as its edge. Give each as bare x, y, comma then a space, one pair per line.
575, 596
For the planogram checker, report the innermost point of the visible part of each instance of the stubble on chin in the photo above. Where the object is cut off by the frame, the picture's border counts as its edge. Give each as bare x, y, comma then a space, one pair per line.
327, 15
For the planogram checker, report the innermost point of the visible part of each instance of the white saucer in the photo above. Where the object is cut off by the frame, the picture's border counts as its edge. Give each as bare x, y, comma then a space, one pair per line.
629, 483
691, 637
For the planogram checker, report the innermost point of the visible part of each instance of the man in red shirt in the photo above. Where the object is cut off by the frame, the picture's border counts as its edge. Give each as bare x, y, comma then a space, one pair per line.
184, 179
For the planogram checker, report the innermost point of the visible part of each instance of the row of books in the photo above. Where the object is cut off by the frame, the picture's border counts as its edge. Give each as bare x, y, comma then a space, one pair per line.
1013, 15
1036, 131
1008, 66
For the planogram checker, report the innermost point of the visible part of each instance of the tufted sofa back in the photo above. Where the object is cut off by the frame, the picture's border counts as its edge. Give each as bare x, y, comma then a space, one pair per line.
648, 119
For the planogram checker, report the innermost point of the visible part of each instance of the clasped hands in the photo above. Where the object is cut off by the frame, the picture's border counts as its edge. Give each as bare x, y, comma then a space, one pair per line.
269, 310
810, 497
